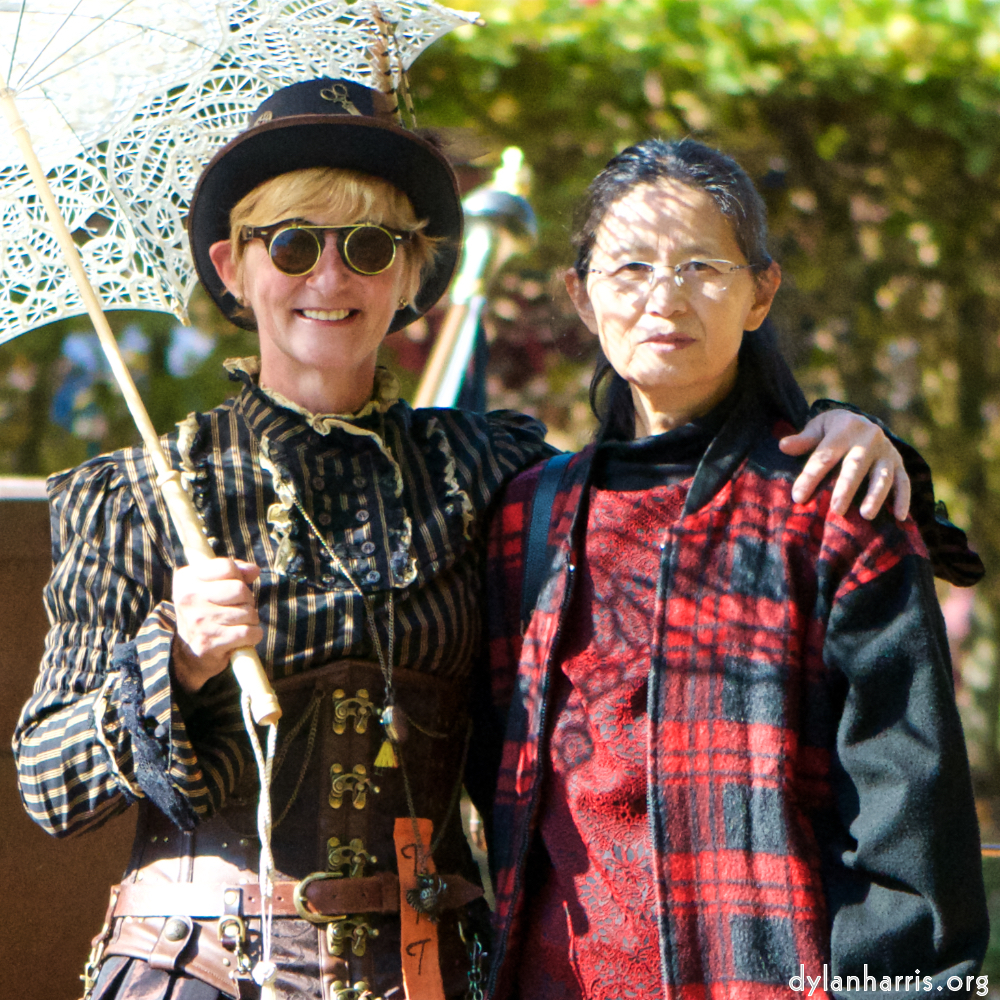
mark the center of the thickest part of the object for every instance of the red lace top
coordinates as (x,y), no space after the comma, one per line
(590,933)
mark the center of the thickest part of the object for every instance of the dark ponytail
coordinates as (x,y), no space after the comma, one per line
(611,402)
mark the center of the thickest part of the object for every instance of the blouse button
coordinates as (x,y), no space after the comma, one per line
(324,519)
(360,482)
(368,548)
(318,483)
(374,576)
(362,516)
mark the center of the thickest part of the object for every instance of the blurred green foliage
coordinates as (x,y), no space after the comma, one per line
(872,130)
(871,127)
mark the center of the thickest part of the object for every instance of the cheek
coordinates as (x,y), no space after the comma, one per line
(735,309)
(267,292)
(254,296)
(613,317)
(252,275)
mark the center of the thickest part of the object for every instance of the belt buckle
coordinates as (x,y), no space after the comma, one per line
(299,898)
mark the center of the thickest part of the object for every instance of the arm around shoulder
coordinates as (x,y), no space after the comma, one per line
(947,545)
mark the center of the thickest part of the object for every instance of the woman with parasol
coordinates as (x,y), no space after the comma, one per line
(733,761)
(349,533)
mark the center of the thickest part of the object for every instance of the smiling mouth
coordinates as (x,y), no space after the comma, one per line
(327,315)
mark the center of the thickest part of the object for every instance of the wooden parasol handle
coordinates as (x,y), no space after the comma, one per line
(245,663)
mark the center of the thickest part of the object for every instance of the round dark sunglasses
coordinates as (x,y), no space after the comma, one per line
(295,247)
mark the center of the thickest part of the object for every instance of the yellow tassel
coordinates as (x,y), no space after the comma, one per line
(386,756)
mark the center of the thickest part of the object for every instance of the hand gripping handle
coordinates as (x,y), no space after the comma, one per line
(246,663)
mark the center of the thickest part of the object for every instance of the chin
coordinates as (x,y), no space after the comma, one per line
(650,377)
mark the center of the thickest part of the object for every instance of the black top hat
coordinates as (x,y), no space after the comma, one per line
(329,123)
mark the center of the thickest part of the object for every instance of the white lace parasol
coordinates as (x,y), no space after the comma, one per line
(126,101)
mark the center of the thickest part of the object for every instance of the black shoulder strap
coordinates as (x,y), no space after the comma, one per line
(535,562)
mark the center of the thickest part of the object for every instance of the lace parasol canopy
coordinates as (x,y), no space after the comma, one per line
(127,100)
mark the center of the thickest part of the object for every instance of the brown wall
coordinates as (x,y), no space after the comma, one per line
(53,893)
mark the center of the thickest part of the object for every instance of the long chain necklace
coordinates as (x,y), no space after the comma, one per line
(394,723)
(391,720)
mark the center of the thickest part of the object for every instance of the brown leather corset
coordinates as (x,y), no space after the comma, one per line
(190,903)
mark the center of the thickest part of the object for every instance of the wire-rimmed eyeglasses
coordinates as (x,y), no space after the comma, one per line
(296,247)
(640,276)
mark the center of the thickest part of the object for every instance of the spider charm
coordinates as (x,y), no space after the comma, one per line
(428,897)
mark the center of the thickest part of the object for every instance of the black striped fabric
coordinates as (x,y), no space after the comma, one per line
(400,496)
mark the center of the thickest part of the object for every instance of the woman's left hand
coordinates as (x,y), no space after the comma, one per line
(865,450)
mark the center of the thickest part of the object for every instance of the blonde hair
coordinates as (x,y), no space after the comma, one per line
(347,195)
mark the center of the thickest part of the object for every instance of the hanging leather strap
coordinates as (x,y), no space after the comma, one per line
(419,945)
(535,561)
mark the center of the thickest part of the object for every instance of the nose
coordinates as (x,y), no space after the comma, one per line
(329,267)
(667,292)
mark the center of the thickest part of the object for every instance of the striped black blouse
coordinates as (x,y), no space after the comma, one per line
(400,495)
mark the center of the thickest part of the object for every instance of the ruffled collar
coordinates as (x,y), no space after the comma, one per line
(385,394)
(284,432)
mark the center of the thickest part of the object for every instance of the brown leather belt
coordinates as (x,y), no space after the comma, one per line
(319,896)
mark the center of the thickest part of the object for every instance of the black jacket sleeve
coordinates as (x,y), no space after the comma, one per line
(902,865)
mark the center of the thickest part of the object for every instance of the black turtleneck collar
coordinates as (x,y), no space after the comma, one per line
(660,459)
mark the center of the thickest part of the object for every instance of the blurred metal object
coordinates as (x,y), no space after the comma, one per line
(499,223)
(22,488)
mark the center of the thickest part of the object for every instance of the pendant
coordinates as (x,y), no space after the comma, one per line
(394,723)
(428,897)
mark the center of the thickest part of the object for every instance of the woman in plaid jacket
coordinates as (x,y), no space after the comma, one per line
(733,765)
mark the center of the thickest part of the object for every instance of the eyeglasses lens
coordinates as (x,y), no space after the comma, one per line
(368,249)
(295,251)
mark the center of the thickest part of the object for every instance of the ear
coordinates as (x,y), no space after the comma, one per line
(767,286)
(577,289)
(221,254)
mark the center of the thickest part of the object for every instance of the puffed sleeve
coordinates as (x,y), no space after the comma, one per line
(902,866)
(518,440)
(103,727)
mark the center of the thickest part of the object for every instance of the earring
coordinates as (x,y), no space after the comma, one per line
(403,303)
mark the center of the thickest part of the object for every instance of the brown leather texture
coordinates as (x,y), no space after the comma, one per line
(204,956)
(176,874)
(326,897)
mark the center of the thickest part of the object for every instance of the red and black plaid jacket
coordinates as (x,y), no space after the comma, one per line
(809,793)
